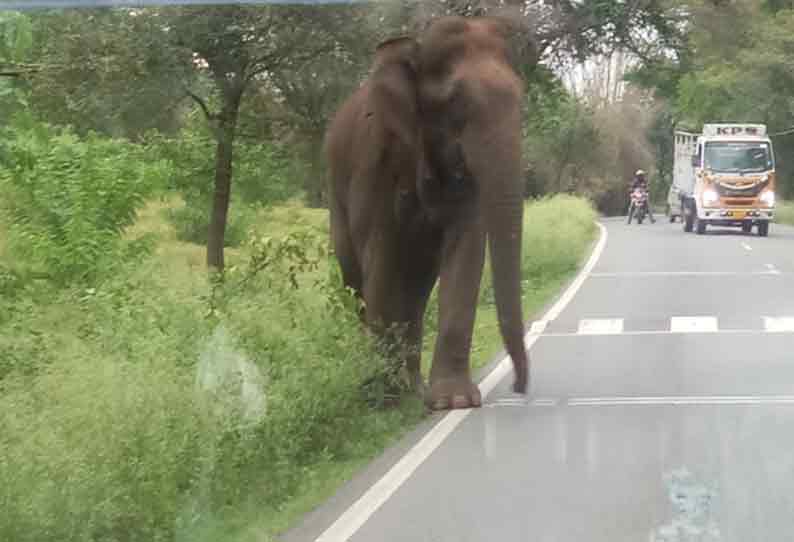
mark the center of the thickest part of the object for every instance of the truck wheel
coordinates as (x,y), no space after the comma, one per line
(763,228)
(688,219)
(701,227)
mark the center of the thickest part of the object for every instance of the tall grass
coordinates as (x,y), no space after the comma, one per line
(157,406)
(785,212)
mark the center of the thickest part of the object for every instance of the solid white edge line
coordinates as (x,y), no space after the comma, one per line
(360,511)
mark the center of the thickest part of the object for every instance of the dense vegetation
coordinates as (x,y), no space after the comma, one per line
(145,399)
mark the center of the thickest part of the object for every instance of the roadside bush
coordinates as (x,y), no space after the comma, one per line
(785,212)
(160,406)
(263,174)
(67,200)
(139,414)
(191,221)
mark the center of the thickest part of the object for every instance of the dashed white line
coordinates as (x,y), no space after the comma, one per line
(633,333)
(693,324)
(745,246)
(772,269)
(684,400)
(644,274)
(601,326)
(678,324)
(778,324)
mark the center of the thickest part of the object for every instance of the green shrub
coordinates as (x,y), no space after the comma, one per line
(68,200)
(785,212)
(191,221)
(139,414)
(136,417)
(263,174)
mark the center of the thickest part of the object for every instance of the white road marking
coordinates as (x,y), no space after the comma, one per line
(601,326)
(360,511)
(507,402)
(779,325)
(684,400)
(538,327)
(693,324)
(772,269)
(651,401)
(644,274)
(745,246)
(666,332)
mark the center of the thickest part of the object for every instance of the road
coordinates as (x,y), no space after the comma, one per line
(661,409)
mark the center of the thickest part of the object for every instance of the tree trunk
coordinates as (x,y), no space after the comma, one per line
(314,183)
(224,154)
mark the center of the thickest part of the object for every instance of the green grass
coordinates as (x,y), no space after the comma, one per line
(785,212)
(108,433)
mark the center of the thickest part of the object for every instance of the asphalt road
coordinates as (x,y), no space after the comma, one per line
(661,409)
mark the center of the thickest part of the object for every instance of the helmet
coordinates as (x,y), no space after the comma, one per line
(639,173)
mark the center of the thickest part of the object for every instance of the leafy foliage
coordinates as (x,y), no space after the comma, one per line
(263,175)
(737,67)
(68,200)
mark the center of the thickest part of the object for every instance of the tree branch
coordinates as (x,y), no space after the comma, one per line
(18,70)
(210,116)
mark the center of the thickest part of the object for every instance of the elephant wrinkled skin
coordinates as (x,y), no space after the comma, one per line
(424,166)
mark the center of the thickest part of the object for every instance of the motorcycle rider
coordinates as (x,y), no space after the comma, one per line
(640,181)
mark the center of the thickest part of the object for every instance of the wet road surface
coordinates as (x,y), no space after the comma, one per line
(661,409)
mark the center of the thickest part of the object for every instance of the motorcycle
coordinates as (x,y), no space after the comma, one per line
(639,205)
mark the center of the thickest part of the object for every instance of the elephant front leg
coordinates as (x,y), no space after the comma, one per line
(463,257)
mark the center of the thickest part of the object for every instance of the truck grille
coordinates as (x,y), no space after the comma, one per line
(739,202)
(726,190)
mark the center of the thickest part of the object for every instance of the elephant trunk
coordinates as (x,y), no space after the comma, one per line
(495,155)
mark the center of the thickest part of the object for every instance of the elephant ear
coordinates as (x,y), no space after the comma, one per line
(401,49)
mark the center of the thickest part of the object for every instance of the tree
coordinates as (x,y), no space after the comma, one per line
(736,66)
(126,71)
(237,46)
(15,44)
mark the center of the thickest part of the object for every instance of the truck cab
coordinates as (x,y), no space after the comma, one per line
(729,179)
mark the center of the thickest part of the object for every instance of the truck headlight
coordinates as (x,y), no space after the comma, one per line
(768,198)
(710,196)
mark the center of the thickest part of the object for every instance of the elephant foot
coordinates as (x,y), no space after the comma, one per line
(453,393)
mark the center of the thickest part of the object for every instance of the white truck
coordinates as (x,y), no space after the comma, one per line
(724,176)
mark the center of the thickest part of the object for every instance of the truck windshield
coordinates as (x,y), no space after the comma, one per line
(739,156)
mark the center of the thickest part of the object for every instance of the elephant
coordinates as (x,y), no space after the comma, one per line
(425,165)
